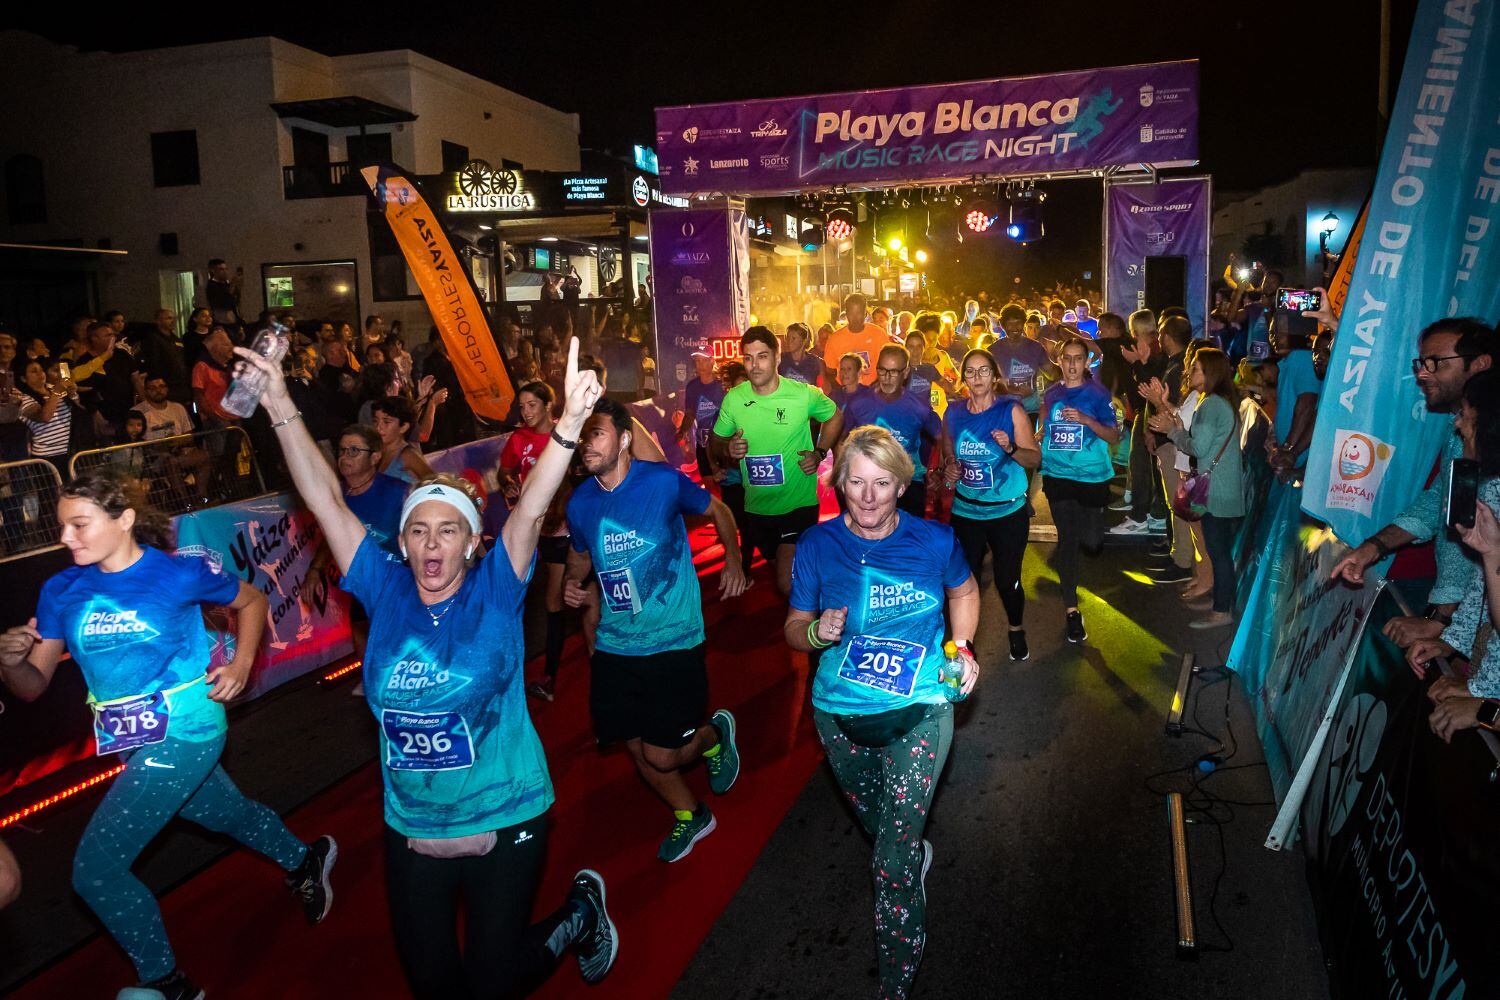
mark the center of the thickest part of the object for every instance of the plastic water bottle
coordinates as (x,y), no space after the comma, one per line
(243,394)
(951,673)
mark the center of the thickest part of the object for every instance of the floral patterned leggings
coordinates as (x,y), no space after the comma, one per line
(891,789)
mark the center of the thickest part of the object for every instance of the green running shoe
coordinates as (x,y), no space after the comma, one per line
(690,828)
(724,766)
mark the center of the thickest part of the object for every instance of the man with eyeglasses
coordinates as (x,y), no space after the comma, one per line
(908,418)
(1450,352)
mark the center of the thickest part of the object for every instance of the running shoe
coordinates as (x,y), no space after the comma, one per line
(1156,523)
(1123,503)
(1075,630)
(174,986)
(599,943)
(1161,548)
(1214,619)
(310,883)
(690,828)
(1018,648)
(1171,573)
(541,689)
(724,766)
(1129,526)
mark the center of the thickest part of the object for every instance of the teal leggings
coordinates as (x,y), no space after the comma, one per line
(891,789)
(162,780)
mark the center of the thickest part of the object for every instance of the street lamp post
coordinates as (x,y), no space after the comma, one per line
(1326,228)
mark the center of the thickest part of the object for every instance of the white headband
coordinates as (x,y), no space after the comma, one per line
(457,499)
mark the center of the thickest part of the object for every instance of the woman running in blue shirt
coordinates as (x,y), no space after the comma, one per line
(130,615)
(466,783)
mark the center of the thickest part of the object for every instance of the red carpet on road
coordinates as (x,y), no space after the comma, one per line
(238,933)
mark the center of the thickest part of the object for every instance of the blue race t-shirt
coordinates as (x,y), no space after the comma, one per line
(1072,450)
(701,401)
(991,483)
(1294,377)
(808,370)
(920,382)
(842,397)
(458,752)
(649,596)
(1021,360)
(907,418)
(379,508)
(140,631)
(894,588)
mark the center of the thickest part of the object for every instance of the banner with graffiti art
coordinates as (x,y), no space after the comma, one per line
(1430,249)
(448,290)
(1399,830)
(1056,123)
(1168,219)
(277,548)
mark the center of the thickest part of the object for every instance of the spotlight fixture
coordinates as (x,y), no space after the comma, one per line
(839,225)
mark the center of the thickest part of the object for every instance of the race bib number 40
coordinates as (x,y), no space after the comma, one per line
(1064,436)
(889,665)
(978,475)
(764,470)
(618,587)
(126,725)
(426,741)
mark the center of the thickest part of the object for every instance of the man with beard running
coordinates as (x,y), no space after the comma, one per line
(649,684)
(764,426)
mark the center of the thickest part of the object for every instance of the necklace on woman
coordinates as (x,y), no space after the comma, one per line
(445,604)
(865,550)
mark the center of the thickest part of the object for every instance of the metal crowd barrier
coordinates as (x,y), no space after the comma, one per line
(187,472)
(28,507)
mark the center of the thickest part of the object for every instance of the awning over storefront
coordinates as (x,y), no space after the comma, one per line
(343,112)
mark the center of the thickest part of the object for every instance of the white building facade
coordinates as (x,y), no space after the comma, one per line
(245,150)
(1291,216)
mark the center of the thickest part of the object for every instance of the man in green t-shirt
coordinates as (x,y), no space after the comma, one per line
(765,425)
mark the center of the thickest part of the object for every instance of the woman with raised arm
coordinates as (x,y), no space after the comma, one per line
(466,783)
(130,615)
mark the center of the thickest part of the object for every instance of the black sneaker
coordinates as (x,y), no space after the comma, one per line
(1162,548)
(1171,573)
(1075,630)
(310,882)
(599,943)
(173,986)
(1018,648)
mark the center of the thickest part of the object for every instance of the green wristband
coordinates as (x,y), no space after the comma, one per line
(813,639)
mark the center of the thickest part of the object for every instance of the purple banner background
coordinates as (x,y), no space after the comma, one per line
(1021,125)
(1169,219)
(699,290)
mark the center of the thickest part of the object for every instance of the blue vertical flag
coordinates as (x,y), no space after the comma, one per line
(1431,249)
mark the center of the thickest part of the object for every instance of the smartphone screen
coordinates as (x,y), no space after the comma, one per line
(1463,492)
(1298,300)
(63,371)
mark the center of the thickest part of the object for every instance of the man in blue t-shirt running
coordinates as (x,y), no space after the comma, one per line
(649,685)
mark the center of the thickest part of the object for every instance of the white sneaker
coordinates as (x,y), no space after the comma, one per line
(1130,527)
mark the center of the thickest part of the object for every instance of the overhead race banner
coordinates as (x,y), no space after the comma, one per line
(700,301)
(448,290)
(271,545)
(1168,219)
(1429,251)
(1399,830)
(1018,125)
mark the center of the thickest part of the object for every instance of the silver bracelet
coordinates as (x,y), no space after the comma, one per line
(283,423)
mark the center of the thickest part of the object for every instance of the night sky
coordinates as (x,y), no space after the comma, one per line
(1285,86)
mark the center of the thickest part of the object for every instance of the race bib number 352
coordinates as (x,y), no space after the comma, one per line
(889,665)
(764,470)
(426,741)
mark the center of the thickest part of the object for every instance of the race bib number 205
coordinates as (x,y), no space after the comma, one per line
(885,664)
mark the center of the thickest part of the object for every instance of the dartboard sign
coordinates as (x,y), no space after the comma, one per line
(481,188)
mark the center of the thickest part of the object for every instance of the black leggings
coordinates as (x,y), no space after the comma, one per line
(501,956)
(1080,528)
(1006,539)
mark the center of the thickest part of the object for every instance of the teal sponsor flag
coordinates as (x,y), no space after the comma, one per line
(1431,249)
